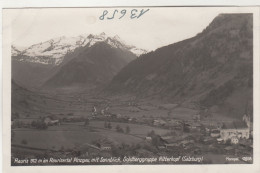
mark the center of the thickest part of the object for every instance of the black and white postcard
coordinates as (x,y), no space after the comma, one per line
(130,86)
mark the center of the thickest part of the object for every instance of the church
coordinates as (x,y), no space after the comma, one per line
(236,130)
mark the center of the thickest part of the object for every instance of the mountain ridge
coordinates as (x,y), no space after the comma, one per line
(209,69)
(36,65)
(53,51)
(88,66)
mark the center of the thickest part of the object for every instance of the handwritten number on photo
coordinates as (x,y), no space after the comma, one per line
(123,12)
(142,12)
(134,14)
(113,15)
(103,16)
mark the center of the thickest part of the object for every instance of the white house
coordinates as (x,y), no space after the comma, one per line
(215,133)
(106,147)
(234,131)
(49,121)
(159,122)
(148,138)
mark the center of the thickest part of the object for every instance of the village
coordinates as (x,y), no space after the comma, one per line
(196,136)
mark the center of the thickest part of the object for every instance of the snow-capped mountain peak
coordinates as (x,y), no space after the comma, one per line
(117,38)
(54,50)
(16,50)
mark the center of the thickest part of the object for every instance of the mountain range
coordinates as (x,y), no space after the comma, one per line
(38,64)
(54,50)
(214,69)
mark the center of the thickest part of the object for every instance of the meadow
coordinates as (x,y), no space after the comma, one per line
(70,135)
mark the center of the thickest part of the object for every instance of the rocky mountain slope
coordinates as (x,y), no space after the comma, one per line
(54,50)
(214,69)
(35,65)
(90,66)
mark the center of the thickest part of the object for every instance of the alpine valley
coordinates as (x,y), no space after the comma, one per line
(94,96)
(212,69)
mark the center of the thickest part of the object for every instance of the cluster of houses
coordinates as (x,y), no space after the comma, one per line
(174,143)
(233,131)
(104,112)
(227,131)
(175,124)
(168,123)
(223,132)
(99,146)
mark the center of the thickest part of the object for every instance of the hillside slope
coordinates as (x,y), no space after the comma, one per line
(213,69)
(31,74)
(90,66)
(22,100)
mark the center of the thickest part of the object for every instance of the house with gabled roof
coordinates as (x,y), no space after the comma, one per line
(234,131)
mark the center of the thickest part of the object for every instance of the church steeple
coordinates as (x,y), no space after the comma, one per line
(246,119)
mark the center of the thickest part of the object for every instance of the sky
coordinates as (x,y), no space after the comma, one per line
(155,28)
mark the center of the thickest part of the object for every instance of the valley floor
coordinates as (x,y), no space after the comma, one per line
(86,127)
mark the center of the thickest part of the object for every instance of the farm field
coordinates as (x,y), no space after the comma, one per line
(54,139)
(135,129)
(69,135)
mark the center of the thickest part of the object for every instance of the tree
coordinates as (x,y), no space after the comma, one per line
(151,133)
(127,129)
(24,142)
(155,140)
(109,125)
(86,122)
(34,124)
(39,125)
(43,125)
(119,129)
(70,114)
(186,128)
(228,142)
(105,124)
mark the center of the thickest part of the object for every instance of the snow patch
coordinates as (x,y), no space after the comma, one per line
(55,49)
